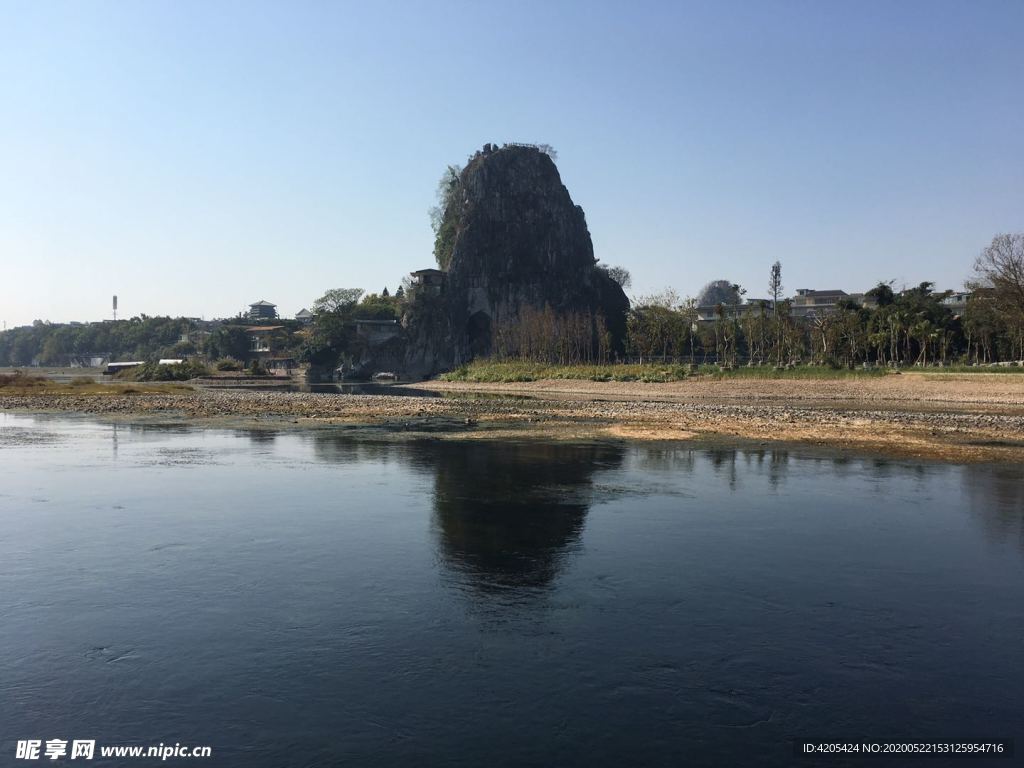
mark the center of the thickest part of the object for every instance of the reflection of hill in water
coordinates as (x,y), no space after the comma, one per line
(506,514)
(996,494)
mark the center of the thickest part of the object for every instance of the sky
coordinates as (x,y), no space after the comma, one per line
(194,157)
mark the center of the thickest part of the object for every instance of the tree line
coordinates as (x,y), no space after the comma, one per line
(906,327)
(913,326)
(150,338)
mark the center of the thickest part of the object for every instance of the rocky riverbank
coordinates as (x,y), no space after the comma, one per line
(957,418)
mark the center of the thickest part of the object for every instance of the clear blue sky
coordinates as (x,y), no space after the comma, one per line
(193,157)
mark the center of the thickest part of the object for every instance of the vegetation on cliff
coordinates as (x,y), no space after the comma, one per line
(446,215)
(517,256)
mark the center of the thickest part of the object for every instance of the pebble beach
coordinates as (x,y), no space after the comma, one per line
(967,417)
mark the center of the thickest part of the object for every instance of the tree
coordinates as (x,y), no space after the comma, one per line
(374,307)
(445,216)
(1001,268)
(775,282)
(620,275)
(337,300)
(719,292)
(667,299)
(548,150)
(384,294)
(227,341)
(775,290)
(688,311)
(882,294)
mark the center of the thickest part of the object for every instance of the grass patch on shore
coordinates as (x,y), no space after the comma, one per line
(23,384)
(1011,369)
(510,371)
(514,371)
(799,372)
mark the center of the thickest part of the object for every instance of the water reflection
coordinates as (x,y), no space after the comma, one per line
(260,437)
(727,463)
(505,514)
(498,603)
(996,496)
(337,448)
(508,516)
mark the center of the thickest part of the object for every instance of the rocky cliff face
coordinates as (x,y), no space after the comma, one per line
(515,243)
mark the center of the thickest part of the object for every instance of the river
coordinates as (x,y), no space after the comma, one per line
(305,598)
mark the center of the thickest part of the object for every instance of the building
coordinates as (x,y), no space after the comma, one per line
(262,310)
(710,313)
(264,340)
(88,360)
(304,316)
(431,280)
(377,331)
(280,366)
(811,303)
(113,368)
(195,337)
(956,302)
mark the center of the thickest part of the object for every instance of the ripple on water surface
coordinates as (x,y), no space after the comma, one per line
(305,598)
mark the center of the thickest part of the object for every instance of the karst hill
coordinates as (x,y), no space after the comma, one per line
(518,268)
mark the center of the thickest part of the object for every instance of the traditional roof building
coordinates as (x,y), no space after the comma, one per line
(262,310)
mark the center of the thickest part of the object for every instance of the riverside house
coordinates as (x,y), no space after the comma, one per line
(266,340)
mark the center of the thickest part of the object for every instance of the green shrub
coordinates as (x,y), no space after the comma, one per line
(189,369)
(508,371)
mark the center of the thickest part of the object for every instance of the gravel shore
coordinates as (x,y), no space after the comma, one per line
(972,417)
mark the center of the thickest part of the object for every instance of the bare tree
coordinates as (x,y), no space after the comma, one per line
(548,150)
(620,275)
(667,299)
(1001,268)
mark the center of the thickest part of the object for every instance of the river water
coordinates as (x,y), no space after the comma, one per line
(307,599)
